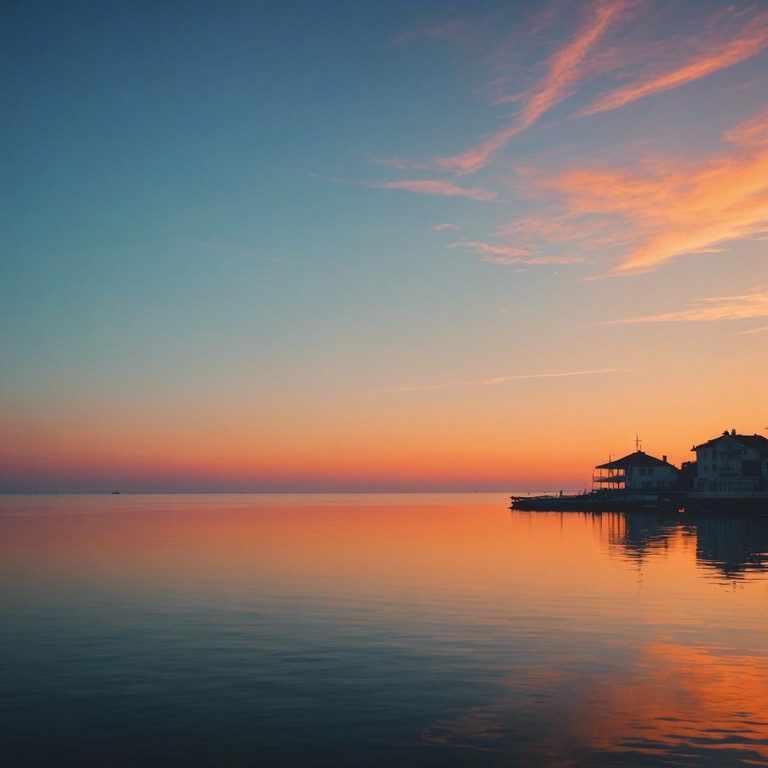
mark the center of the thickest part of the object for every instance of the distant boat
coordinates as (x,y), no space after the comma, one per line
(115,493)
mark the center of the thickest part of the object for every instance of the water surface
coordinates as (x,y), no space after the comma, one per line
(379,630)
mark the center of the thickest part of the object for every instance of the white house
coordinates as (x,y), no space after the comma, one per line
(638,472)
(732,464)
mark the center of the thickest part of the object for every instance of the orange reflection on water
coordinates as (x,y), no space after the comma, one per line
(671,703)
(428,542)
(313,539)
(593,633)
(423,544)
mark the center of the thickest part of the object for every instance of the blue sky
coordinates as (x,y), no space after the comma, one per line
(308,245)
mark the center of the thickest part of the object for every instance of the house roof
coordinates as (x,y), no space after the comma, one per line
(748,441)
(636,459)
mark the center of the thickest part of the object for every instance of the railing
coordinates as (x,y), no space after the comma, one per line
(609,478)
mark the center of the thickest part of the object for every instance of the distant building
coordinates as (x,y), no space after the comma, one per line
(638,473)
(732,464)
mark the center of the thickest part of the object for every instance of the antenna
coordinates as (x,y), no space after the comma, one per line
(637,443)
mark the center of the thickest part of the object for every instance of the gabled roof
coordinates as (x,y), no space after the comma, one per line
(755,442)
(636,459)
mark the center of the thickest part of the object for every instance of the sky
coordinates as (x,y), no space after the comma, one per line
(302,246)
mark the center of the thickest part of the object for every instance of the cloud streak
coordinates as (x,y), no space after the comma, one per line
(496,380)
(650,211)
(447,30)
(438,187)
(642,67)
(565,69)
(712,309)
(660,209)
(434,187)
(503,254)
(748,42)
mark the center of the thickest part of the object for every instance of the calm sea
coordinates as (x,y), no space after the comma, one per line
(377,630)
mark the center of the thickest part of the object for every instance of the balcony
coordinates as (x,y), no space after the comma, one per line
(617,478)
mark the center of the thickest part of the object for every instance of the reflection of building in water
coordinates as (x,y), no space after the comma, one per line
(729,544)
(639,534)
(732,545)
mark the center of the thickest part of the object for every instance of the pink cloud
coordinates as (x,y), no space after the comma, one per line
(645,67)
(660,209)
(534,260)
(707,310)
(565,69)
(441,227)
(502,254)
(488,249)
(711,54)
(420,187)
(750,133)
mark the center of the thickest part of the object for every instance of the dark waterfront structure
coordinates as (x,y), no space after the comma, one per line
(730,474)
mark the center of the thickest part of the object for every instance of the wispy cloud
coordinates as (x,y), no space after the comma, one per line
(661,209)
(443,226)
(605,45)
(438,187)
(750,133)
(434,187)
(565,69)
(445,30)
(709,56)
(399,163)
(494,381)
(502,254)
(707,310)
(652,210)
